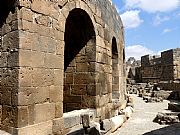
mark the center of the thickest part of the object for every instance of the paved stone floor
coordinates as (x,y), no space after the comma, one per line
(141,123)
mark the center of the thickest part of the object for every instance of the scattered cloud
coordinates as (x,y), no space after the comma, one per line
(131,19)
(160,19)
(137,51)
(153,6)
(167,30)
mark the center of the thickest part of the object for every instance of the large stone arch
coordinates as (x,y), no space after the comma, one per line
(79,58)
(64,13)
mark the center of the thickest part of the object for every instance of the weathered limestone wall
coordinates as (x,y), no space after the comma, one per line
(164,68)
(176,63)
(33,63)
(9,70)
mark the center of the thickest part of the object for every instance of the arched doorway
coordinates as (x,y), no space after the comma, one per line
(79,58)
(115,70)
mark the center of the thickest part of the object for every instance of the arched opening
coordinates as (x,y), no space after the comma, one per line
(79,58)
(115,70)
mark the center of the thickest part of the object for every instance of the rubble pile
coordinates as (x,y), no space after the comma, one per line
(167,118)
(150,92)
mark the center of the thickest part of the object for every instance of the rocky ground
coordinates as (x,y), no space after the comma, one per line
(141,122)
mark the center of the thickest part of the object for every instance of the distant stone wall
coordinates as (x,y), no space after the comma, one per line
(57,55)
(164,68)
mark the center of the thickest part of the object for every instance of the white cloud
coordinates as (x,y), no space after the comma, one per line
(152,6)
(131,19)
(137,51)
(166,30)
(160,19)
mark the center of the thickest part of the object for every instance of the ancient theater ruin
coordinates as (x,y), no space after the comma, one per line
(60,61)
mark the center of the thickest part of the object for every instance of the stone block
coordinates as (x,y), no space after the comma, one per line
(9,117)
(24,96)
(45,7)
(43,128)
(60,47)
(106,125)
(44,112)
(6,96)
(52,44)
(58,73)
(25,58)
(68,78)
(4,59)
(117,122)
(128,111)
(10,41)
(37,77)
(40,43)
(22,116)
(6,28)
(12,59)
(56,94)
(26,14)
(37,59)
(58,109)
(43,20)
(72,99)
(91,90)
(79,89)
(54,61)
(48,77)
(59,35)
(88,101)
(25,77)
(82,67)
(58,126)
(41,95)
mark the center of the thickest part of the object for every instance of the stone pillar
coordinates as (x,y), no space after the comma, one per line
(31,69)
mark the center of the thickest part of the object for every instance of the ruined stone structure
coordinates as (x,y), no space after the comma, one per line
(57,56)
(161,68)
(133,69)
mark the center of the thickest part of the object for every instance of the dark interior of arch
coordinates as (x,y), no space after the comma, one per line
(79,51)
(6,6)
(115,70)
(78,31)
(123,55)
(114,48)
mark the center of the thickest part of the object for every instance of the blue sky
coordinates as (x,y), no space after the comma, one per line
(150,25)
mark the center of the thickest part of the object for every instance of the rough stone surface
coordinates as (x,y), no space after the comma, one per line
(58,56)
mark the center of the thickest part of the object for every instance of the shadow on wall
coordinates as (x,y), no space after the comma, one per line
(169,130)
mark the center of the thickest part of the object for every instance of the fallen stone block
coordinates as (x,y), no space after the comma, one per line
(106,125)
(128,111)
(117,122)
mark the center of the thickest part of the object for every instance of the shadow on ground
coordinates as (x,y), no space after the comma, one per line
(169,130)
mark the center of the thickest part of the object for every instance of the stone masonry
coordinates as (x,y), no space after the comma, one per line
(57,56)
(161,68)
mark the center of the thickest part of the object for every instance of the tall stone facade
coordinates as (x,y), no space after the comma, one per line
(57,56)
(161,68)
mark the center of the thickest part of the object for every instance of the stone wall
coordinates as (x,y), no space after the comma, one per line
(176,63)
(44,41)
(164,68)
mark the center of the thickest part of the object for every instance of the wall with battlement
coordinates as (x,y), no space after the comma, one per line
(163,68)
